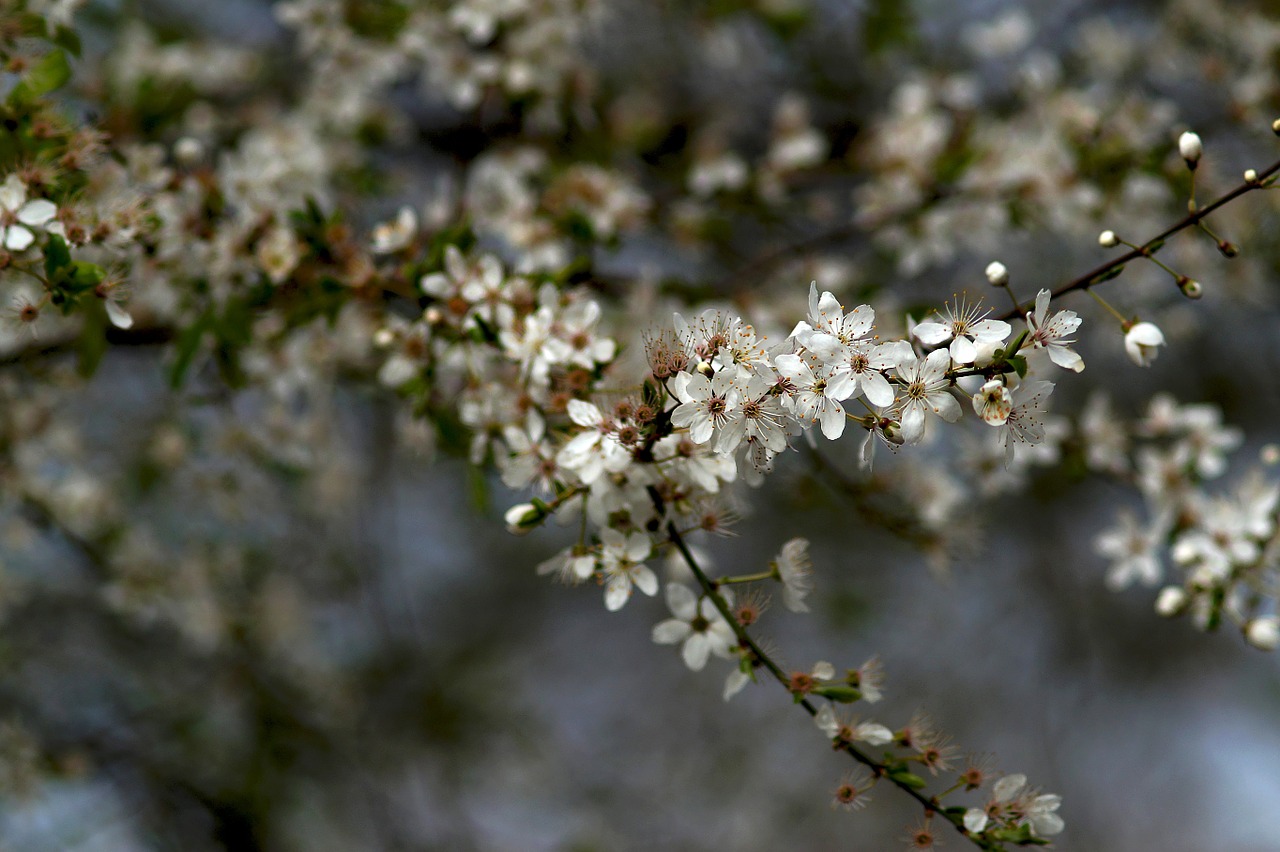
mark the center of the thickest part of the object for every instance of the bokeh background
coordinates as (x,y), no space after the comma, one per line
(353,655)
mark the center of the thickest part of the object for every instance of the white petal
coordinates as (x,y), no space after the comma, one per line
(119,316)
(1008,787)
(584,413)
(975,819)
(671,631)
(1064,357)
(645,580)
(12,193)
(735,682)
(696,651)
(931,332)
(912,424)
(37,212)
(877,389)
(823,670)
(963,351)
(833,420)
(18,238)
(945,406)
(682,601)
(616,592)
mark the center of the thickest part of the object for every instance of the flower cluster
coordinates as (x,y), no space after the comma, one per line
(1221,549)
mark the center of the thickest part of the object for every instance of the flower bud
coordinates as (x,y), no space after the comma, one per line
(1171,601)
(1142,341)
(997,274)
(1190,148)
(1275,127)
(1189,287)
(1263,633)
(1250,176)
(1108,239)
(523,517)
(188,151)
(1228,249)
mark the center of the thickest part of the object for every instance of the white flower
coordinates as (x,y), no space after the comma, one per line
(1132,551)
(975,819)
(829,327)
(871,733)
(964,327)
(993,403)
(860,372)
(594,451)
(795,572)
(18,215)
(389,237)
(812,398)
(760,417)
(1142,341)
(925,389)
(622,562)
(1050,333)
(1025,425)
(698,624)
(705,404)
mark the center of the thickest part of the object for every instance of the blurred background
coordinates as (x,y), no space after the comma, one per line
(206,646)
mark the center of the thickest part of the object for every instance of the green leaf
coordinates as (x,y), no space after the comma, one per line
(51,72)
(187,344)
(887,24)
(92,344)
(56,257)
(67,39)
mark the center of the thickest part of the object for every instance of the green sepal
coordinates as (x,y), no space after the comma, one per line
(907,779)
(1021,835)
(839,692)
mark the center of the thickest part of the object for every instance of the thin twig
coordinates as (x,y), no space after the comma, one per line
(1091,278)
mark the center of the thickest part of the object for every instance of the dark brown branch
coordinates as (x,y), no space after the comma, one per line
(1095,276)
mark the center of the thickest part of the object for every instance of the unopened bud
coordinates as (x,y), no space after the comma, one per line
(997,274)
(1190,148)
(1250,176)
(839,692)
(1228,249)
(1108,239)
(1263,633)
(1190,287)
(892,432)
(523,517)
(188,151)
(384,337)
(1275,127)
(1171,601)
